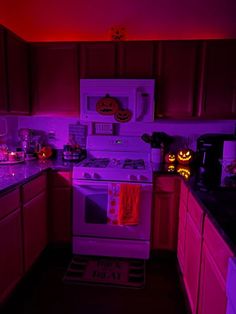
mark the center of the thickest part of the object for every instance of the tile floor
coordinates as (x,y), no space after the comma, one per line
(42,291)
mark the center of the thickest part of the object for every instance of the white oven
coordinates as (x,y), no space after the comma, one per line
(129,166)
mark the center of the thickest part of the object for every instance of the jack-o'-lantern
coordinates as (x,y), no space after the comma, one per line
(170,158)
(184,171)
(123,115)
(185,156)
(107,106)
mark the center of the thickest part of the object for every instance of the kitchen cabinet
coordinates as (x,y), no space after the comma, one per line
(98,60)
(11,259)
(60,209)
(192,251)
(55,79)
(218,90)
(177,77)
(214,267)
(3,86)
(165,213)
(17,74)
(136,59)
(183,205)
(35,220)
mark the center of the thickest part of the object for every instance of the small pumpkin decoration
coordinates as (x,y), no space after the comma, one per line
(184,171)
(45,153)
(124,115)
(185,156)
(170,158)
(107,106)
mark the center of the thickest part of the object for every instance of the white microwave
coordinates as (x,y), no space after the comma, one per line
(117,100)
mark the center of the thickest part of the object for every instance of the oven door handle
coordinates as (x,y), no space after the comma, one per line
(106,183)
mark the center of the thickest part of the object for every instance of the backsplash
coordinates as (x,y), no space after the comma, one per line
(58,129)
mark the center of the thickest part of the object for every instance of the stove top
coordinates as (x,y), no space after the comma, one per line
(113,169)
(113,163)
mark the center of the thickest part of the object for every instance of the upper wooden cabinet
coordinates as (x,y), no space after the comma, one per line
(218,90)
(18,74)
(136,59)
(98,60)
(3,90)
(176,74)
(55,79)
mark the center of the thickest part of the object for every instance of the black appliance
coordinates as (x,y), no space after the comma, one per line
(209,153)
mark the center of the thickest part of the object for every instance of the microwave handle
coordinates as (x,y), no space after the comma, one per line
(142,105)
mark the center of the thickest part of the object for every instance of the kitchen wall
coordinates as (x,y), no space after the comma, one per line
(185,131)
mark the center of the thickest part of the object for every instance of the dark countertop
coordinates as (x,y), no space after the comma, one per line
(15,174)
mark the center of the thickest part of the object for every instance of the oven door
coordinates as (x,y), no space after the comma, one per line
(90,202)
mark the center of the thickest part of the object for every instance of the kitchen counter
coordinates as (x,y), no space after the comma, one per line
(15,174)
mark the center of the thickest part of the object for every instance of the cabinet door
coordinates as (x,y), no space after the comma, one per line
(136,59)
(212,296)
(18,74)
(192,255)
(176,73)
(165,214)
(35,227)
(11,261)
(60,215)
(98,60)
(3,91)
(219,80)
(55,79)
(181,233)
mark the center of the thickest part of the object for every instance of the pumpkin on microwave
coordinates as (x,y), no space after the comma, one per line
(123,115)
(107,106)
(185,156)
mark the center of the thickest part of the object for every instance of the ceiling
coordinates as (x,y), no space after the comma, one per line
(82,20)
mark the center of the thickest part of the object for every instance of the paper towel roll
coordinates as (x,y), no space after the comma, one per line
(229,150)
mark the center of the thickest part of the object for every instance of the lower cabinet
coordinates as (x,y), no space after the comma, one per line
(60,209)
(165,213)
(214,268)
(35,219)
(11,259)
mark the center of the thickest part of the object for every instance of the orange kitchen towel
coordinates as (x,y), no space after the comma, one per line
(129,198)
(113,203)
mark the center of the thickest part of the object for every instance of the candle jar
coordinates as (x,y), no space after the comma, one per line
(12,156)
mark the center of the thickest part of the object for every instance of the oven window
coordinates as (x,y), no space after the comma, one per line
(96,208)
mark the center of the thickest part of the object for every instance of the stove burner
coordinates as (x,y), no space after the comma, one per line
(96,163)
(134,164)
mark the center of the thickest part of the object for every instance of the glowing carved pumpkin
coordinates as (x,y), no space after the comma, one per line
(107,106)
(185,156)
(184,171)
(123,115)
(170,158)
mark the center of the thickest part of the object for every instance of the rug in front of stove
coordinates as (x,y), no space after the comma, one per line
(106,271)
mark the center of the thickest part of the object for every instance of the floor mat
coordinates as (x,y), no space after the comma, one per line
(109,271)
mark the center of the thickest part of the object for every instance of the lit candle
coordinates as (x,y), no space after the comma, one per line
(12,156)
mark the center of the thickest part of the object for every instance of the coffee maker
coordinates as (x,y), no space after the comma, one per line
(210,152)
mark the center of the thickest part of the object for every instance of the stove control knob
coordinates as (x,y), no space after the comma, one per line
(142,178)
(96,176)
(132,177)
(86,175)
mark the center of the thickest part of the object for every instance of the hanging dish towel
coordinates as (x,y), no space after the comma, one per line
(129,198)
(113,203)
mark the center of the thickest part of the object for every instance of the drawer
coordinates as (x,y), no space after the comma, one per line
(196,212)
(34,187)
(166,184)
(61,179)
(217,246)
(184,191)
(9,202)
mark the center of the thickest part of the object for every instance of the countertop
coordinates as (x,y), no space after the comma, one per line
(219,204)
